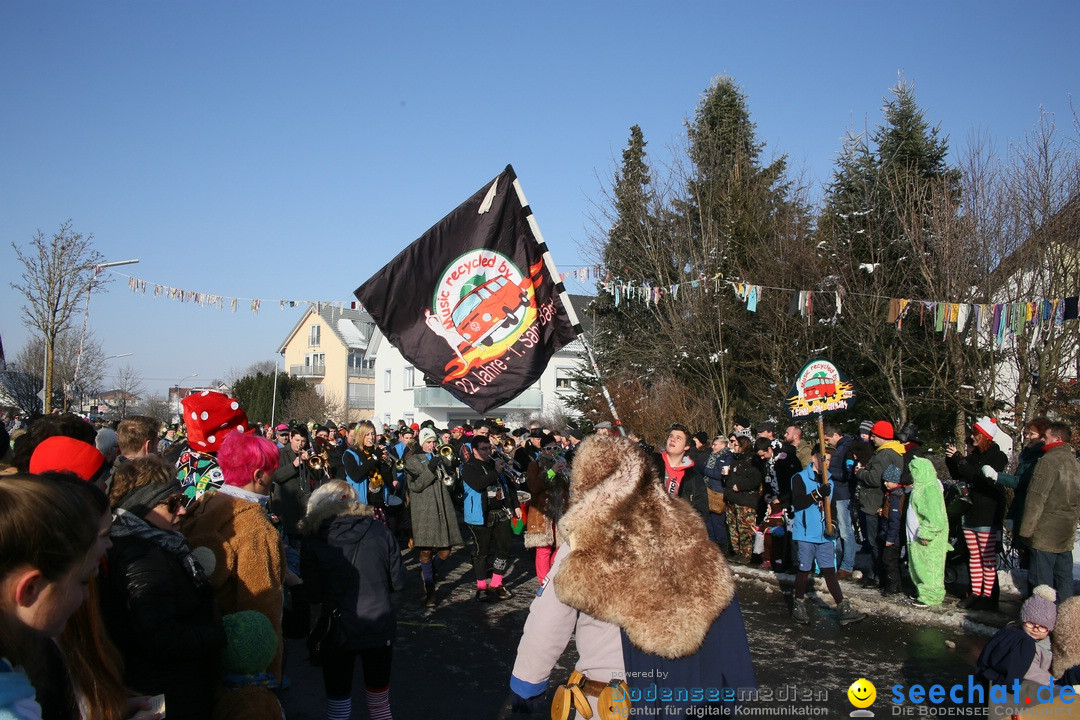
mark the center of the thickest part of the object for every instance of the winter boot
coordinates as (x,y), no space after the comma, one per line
(800,611)
(848,614)
(429,596)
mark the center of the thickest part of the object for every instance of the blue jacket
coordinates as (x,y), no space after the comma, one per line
(713,469)
(361,484)
(809,525)
(712,677)
(476,478)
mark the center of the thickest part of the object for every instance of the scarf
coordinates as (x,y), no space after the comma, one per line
(126,524)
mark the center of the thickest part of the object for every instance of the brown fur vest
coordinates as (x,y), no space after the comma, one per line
(638,557)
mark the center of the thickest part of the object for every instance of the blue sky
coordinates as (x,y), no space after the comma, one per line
(279,150)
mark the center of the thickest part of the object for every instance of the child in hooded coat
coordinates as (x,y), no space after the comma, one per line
(927,533)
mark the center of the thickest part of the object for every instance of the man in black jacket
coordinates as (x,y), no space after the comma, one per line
(290,492)
(841,474)
(490,503)
(677,471)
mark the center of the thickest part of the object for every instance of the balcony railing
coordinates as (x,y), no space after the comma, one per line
(431,398)
(362,372)
(361,397)
(307,370)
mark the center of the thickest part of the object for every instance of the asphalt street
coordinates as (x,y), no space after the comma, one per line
(454,661)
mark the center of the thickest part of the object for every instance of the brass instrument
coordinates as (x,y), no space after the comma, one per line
(509,446)
(375,481)
(512,472)
(320,455)
(399,465)
(447,451)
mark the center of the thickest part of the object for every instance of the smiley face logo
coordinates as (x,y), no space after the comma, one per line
(862,693)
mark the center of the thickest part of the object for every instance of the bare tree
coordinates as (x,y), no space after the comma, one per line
(130,388)
(305,404)
(21,387)
(266,367)
(67,388)
(155,406)
(56,272)
(1039,260)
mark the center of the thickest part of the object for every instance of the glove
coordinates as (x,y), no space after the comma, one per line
(525,706)
(825,489)
(990,472)
(434,463)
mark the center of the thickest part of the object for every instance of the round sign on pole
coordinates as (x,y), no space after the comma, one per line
(819,388)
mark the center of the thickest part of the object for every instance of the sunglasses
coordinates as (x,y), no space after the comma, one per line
(173,503)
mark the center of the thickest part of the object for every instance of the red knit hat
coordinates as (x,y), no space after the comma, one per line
(987,426)
(64,454)
(883,429)
(209,416)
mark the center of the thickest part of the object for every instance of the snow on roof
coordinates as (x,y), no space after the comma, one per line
(350,333)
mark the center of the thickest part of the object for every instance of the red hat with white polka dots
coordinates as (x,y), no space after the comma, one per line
(209,416)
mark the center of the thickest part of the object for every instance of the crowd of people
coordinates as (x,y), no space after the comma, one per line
(148,567)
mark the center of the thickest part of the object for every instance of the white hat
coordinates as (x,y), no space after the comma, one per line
(987,426)
(427,434)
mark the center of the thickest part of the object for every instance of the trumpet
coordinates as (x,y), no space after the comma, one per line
(399,465)
(317,462)
(512,472)
(447,451)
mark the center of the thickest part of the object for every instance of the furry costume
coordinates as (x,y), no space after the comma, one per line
(628,543)
(247,569)
(626,534)
(1065,641)
(926,508)
(546,506)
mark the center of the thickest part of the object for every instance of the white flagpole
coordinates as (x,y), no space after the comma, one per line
(565,298)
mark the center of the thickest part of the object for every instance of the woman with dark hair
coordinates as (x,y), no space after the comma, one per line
(158,606)
(352,563)
(743,493)
(1025,467)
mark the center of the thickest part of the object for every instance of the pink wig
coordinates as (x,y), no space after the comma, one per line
(242,454)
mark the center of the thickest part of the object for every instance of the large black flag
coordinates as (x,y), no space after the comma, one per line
(472,302)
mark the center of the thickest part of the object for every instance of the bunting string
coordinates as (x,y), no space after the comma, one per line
(997,319)
(212,300)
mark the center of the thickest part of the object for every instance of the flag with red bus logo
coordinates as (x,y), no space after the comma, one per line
(474,303)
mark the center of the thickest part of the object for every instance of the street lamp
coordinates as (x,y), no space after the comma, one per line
(178,383)
(46,390)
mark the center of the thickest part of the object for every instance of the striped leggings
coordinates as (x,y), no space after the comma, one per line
(982,560)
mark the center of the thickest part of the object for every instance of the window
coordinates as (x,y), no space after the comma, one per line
(407,378)
(356,360)
(315,360)
(386,381)
(313,335)
(564,379)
